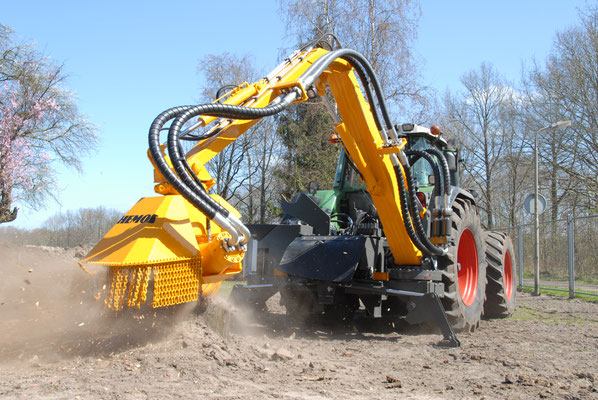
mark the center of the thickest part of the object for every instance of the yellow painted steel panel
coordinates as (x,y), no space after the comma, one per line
(155,230)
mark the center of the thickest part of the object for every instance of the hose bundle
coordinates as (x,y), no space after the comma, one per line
(187,184)
(182,177)
(373,90)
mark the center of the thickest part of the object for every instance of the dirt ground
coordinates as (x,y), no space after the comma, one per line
(57,343)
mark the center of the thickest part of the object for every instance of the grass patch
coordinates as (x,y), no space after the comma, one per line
(526,314)
(588,281)
(558,293)
(523,313)
(529,274)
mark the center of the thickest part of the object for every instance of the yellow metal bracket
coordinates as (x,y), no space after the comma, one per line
(381,276)
(392,148)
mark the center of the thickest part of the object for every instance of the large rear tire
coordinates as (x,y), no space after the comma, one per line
(464,268)
(500,290)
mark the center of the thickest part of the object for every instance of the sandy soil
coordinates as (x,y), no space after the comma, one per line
(57,343)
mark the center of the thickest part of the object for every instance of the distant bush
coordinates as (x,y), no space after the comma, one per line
(85,226)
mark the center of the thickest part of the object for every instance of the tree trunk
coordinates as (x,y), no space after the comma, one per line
(263,190)
(6,215)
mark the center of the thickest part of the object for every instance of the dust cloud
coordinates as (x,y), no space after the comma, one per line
(49,310)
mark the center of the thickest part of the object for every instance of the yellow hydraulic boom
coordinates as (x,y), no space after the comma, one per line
(188,240)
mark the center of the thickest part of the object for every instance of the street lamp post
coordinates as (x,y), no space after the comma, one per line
(559,124)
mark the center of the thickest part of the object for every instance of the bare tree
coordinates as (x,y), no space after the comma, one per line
(567,88)
(229,168)
(557,151)
(244,170)
(514,170)
(39,125)
(263,159)
(483,115)
(382,30)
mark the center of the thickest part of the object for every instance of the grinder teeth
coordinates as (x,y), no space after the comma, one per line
(174,283)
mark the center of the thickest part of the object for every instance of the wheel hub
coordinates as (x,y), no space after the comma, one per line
(467,258)
(508,276)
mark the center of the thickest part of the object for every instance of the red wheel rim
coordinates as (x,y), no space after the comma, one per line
(508,276)
(467,257)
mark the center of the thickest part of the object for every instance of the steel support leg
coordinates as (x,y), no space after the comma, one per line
(428,308)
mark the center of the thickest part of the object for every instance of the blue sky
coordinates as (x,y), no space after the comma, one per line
(129,60)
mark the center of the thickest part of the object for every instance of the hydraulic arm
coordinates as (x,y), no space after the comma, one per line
(189,240)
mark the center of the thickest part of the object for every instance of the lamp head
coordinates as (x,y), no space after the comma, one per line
(561,124)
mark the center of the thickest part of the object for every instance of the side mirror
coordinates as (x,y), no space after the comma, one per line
(313,187)
(451,160)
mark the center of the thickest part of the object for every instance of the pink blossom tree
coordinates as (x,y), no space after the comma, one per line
(39,126)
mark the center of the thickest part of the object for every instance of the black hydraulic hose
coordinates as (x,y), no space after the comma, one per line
(365,72)
(446,174)
(417,223)
(418,236)
(355,56)
(320,39)
(189,187)
(368,91)
(410,189)
(422,154)
(199,199)
(407,194)
(219,110)
(197,138)
(191,172)
(185,180)
(164,168)
(407,216)
(186,183)
(223,89)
